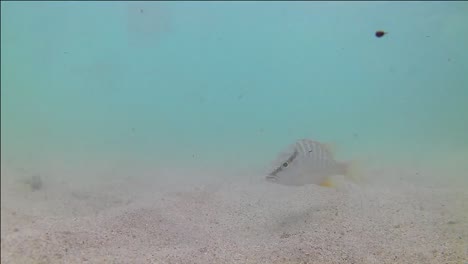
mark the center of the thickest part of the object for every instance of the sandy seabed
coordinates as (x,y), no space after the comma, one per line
(177,216)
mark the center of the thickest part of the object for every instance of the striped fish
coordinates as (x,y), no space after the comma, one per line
(306,162)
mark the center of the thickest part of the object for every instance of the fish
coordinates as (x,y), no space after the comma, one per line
(380,33)
(308,162)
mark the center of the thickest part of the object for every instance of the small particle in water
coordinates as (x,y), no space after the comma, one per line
(380,33)
(141,11)
(15,229)
(451,222)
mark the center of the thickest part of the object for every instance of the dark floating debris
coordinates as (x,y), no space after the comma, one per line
(380,33)
(35,182)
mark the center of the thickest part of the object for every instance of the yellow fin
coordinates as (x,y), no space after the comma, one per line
(327,183)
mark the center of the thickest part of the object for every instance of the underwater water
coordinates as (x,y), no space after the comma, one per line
(137,91)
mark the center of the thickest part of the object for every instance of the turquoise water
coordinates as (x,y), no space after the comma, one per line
(232,83)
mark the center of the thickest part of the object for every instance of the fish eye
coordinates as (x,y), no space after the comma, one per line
(285,164)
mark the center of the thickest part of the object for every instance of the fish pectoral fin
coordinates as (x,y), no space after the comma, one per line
(327,183)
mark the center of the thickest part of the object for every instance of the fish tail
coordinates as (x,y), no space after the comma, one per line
(353,171)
